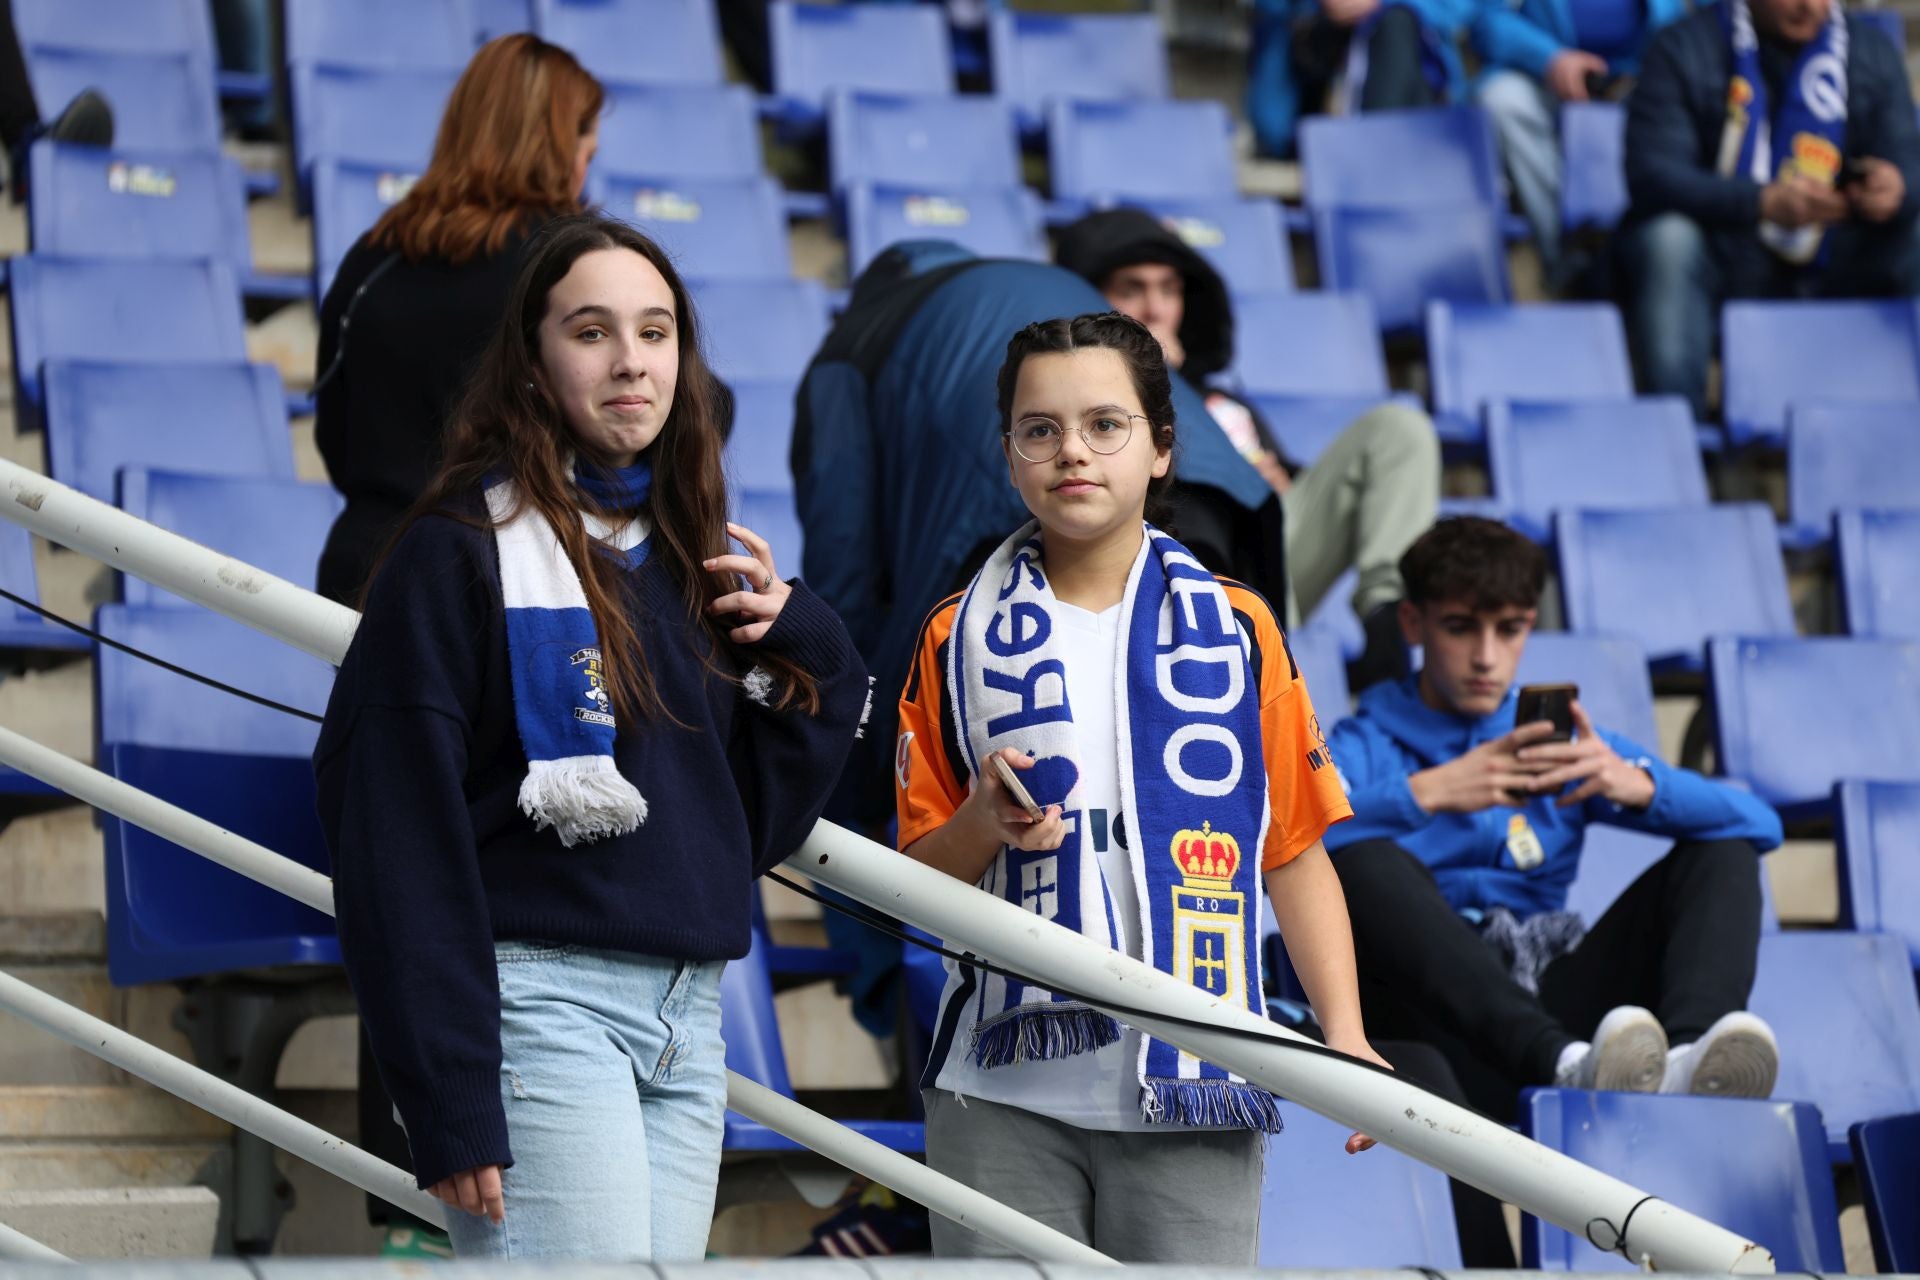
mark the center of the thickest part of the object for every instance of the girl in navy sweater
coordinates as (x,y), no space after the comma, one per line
(572,729)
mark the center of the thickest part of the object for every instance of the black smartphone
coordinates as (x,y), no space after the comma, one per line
(1852,174)
(1548,702)
(1600,85)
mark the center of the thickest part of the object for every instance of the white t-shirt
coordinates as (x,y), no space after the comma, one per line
(1099,1090)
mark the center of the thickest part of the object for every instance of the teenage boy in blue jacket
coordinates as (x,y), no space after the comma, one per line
(1467,831)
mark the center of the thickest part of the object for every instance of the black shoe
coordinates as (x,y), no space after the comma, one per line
(88,121)
(1385,657)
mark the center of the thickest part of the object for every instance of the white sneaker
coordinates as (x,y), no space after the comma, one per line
(1737,1058)
(1628,1054)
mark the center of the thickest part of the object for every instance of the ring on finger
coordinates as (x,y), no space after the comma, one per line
(766,579)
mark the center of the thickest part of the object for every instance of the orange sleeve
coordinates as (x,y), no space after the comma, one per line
(926,794)
(1303,788)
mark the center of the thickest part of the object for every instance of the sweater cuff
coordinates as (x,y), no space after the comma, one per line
(809,634)
(464,1127)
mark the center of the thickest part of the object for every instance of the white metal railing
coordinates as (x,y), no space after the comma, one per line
(1452,1138)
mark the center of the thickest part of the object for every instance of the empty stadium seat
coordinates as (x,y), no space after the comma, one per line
(760,330)
(1434,158)
(1317,652)
(142,311)
(770,513)
(1244,239)
(1611,670)
(1593,183)
(1877,556)
(644,41)
(1878,833)
(1038,57)
(22,631)
(933,142)
(495,18)
(348,198)
(1308,344)
(885,48)
(1095,151)
(713,228)
(1600,455)
(1777,354)
(1322,1208)
(1541,351)
(1842,1006)
(273,523)
(172,914)
(1404,258)
(688,130)
(433,34)
(1671,577)
(1306,425)
(383,117)
(100,203)
(216,419)
(1792,717)
(1886,1156)
(1849,456)
(161,101)
(762,438)
(1756,1167)
(993,222)
(116,26)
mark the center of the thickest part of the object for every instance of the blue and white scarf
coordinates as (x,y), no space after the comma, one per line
(1193,796)
(560,697)
(1807,136)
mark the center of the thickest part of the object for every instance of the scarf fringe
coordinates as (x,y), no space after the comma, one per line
(1040,1034)
(1216,1103)
(582,798)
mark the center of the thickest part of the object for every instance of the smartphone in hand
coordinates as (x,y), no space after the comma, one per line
(1548,702)
(1011,781)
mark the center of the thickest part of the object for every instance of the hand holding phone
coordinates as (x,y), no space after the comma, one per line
(1011,781)
(1551,702)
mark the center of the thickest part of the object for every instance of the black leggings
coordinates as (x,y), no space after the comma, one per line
(1682,941)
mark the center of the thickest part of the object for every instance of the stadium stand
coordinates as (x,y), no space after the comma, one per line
(1886,1155)
(1038,58)
(1244,239)
(932,142)
(879,47)
(1774,355)
(1596,454)
(1324,1208)
(687,130)
(1542,352)
(1316,651)
(425,34)
(162,102)
(272,523)
(1878,830)
(993,222)
(642,41)
(500,18)
(1308,344)
(377,117)
(1859,456)
(760,329)
(1877,554)
(1593,187)
(713,228)
(770,513)
(24,633)
(1095,150)
(348,198)
(762,433)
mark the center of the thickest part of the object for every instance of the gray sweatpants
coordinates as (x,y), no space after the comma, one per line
(1360,505)
(1184,1196)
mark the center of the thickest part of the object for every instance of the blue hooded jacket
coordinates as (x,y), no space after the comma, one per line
(1395,735)
(1526,35)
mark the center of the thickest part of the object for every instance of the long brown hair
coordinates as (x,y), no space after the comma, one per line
(504,157)
(507,426)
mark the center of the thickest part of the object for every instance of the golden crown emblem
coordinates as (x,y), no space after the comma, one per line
(1206,856)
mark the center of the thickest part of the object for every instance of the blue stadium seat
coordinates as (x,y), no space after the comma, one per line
(1777,354)
(1325,1209)
(23,631)
(760,330)
(377,117)
(116,26)
(757,451)
(1878,561)
(688,130)
(172,914)
(348,198)
(1596,454)
(770,513)
(99,203)
(1886,1155)
(1542,352)
(885,48)
(1842,1006)
(932,142)
(1842,456)
(1308,344)
(1435,158)
(643,41)
(1404,258)
(430,34)
(129,312)
(1095,151)
(713,229)
(1244,239)
(495,18)
(1038,57)
(273,523)
(754,1050)
(1754,1166)
(1794,717)
(1306,425)
(1670,577)
(993,222)
(1878,833)
(1593,185)
(215,419)
(1334,615)
(1317,652)
(1611,671)
(161,101)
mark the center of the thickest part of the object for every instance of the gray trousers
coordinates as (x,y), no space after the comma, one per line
(1360,506)
(1184,1196)
(1526,120)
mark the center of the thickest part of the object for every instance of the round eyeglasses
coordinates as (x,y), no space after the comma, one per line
(1105,431)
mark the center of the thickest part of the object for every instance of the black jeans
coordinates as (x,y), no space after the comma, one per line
(1395,79)
(1682,941)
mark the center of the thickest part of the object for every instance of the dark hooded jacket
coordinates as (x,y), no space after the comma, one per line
(899,478)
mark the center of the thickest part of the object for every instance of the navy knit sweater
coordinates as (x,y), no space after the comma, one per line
(419,765)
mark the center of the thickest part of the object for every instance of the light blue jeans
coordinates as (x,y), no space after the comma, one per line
(614,1077)
(1526,119)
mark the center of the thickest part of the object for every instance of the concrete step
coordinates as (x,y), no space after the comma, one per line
(53,862)
(54,935)
(103,1112)
(67,1166)
(30,1056)
(54,707)
(117,1222)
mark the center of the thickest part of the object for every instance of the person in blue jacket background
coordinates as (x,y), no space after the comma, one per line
(1467,832)
(1539,54)
(1395,54)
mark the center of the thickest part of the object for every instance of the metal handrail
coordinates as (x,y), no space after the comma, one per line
(1460,1142)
